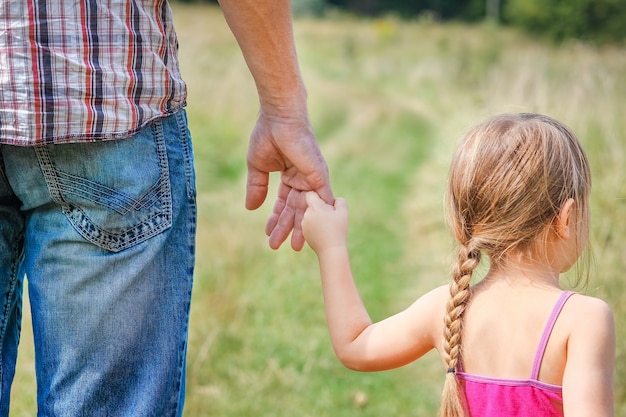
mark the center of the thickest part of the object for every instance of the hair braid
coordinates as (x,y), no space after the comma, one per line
(468,260)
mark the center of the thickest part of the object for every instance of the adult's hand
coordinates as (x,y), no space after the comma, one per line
(282,139)
(286,145)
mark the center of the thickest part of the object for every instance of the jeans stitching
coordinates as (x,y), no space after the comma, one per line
(191,217)
(81,187)
(150,227)
(58,182)
(7,302)
(49,173)
(183,134)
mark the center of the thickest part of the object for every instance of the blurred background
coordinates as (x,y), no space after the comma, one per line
(392,87)
(598,20)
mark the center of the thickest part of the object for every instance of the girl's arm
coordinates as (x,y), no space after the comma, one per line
(359,343)
(588,376)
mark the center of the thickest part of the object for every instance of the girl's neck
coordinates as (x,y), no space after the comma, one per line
(523,273)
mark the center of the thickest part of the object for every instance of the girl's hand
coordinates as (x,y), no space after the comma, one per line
(325,226)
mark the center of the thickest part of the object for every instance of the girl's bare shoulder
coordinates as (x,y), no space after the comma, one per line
(581,305)
(587,315)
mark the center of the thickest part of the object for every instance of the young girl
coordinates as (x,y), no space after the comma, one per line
(515,343)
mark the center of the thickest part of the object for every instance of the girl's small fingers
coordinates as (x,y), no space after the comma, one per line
(340,203)
(312,199)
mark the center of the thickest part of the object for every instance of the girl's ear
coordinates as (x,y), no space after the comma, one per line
(564,219)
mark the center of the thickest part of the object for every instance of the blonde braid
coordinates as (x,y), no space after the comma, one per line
(469,258)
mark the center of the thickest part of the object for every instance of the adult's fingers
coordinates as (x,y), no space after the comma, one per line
(284,224)
(256,188)
(297,236)
(279,206)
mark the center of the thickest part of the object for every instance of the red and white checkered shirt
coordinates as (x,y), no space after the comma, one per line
(85,70)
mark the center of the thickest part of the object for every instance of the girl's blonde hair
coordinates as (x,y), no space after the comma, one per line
(508,180)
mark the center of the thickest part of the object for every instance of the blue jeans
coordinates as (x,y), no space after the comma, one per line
(105,234)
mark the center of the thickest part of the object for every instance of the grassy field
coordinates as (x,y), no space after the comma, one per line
(388,100)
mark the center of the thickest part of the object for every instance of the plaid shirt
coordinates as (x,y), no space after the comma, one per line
(85,70)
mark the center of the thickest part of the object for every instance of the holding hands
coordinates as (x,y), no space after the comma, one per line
(288,145)
(325,226)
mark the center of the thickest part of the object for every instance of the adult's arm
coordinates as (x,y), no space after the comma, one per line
(282,139)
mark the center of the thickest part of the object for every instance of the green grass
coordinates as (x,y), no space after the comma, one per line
(388,100)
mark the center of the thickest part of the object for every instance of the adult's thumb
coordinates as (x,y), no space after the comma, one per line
(326,194)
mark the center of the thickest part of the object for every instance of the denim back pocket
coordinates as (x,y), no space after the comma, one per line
(116,193)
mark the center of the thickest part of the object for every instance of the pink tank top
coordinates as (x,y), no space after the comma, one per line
(500,397)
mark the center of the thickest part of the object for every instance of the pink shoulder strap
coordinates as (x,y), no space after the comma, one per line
(546,333)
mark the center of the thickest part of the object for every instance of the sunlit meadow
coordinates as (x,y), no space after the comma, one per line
(388,99)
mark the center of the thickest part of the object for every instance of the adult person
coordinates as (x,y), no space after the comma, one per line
(97,191)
